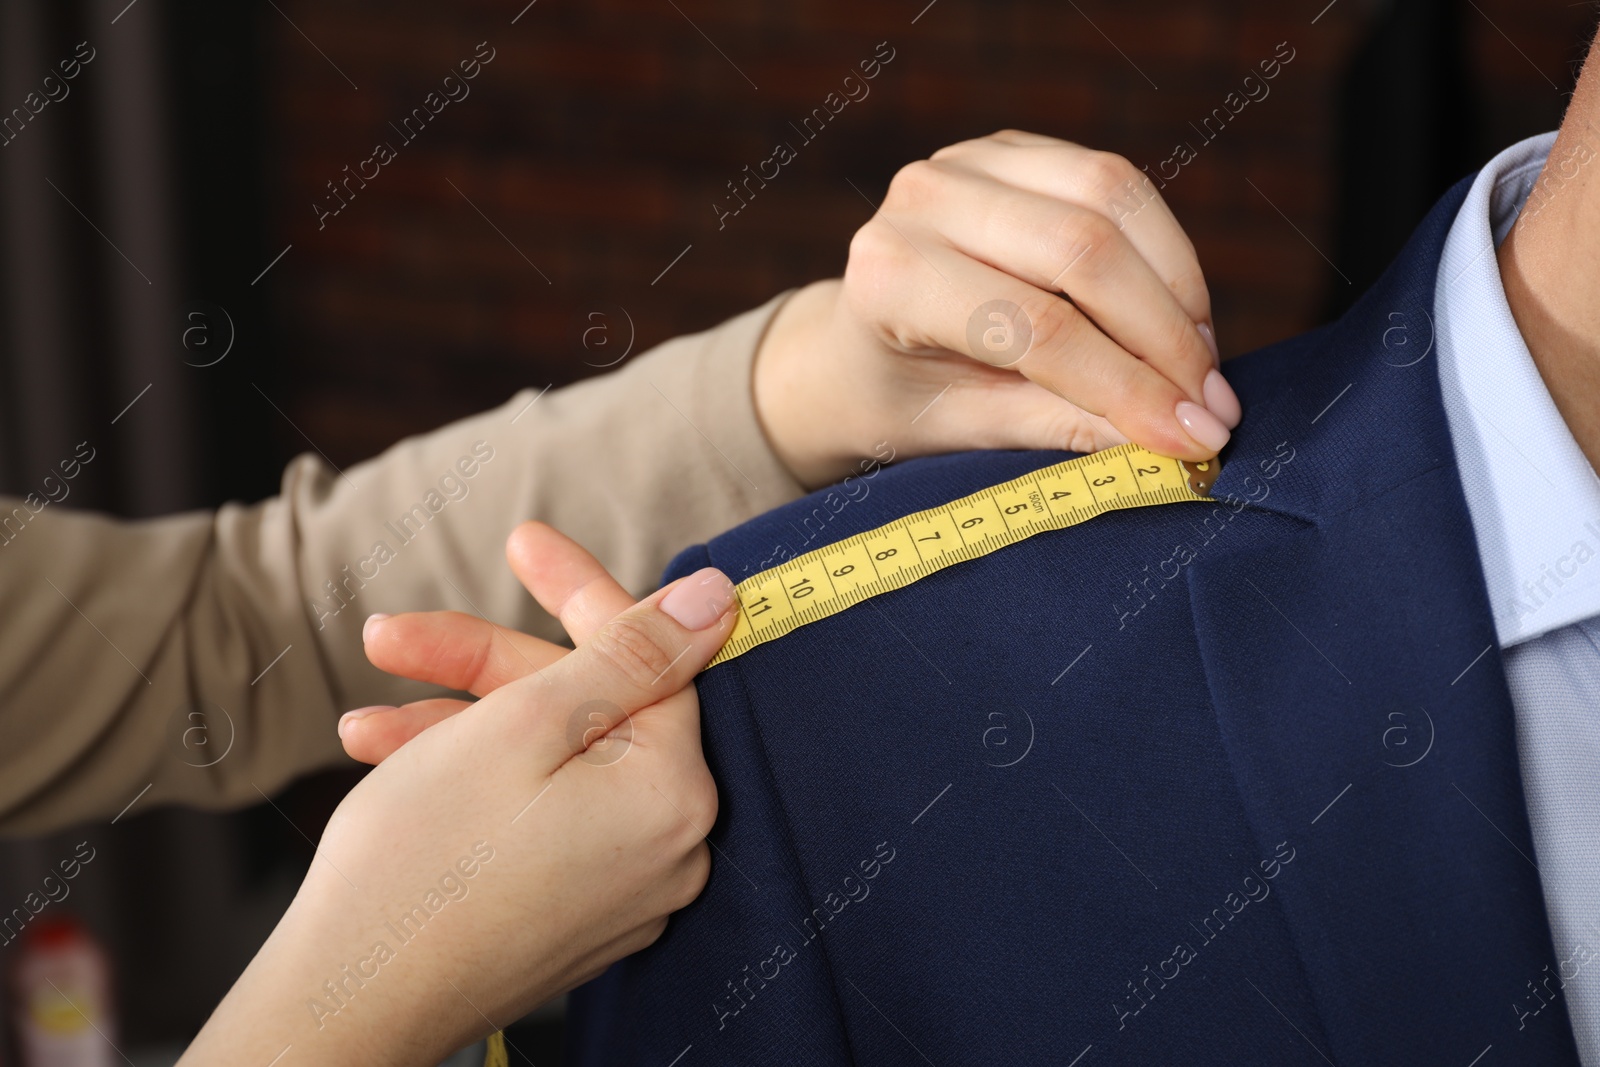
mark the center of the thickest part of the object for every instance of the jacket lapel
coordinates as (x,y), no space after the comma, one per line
(1352,662)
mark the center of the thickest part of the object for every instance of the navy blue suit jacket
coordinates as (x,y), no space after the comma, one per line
(1200,783)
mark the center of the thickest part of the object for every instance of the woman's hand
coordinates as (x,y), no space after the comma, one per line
(514,849)
(464,652)
(950,331)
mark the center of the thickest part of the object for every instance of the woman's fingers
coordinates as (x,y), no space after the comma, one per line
(1033,332)
(1102,182)
(465,652)
(371,735)
(1059,246)
(633,661)
(638,658)
(1012,412)
(565,579)
(641,657)
(454,650)
(461,651)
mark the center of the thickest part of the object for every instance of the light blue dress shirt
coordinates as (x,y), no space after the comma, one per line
(1535,507)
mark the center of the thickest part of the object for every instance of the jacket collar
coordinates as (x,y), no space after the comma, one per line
(1357,400)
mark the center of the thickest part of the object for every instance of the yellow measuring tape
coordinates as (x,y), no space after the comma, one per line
(824,582)
(828,580)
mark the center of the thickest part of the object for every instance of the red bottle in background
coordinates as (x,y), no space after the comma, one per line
(61,998)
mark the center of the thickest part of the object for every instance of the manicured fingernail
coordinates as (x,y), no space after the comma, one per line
(359,713)
(1222,401)
(1209,335)
(699,600)
(1201,425)
(377,617)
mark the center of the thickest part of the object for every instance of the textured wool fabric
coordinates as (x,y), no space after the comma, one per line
(1142,791)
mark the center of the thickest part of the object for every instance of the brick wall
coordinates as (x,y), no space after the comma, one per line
(599,137)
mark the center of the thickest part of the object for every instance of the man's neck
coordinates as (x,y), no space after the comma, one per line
(1550,265)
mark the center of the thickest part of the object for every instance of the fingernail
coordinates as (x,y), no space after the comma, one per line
(377,617)
(1209,335)
(359,713)
(699,600)
(1201,425)
(1222,401)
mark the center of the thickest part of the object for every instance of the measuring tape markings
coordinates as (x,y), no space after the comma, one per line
(827,580)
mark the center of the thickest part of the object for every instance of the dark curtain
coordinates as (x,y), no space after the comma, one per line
(1409,128)
(129,203)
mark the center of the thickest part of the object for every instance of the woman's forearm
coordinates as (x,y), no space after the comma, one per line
(209,655)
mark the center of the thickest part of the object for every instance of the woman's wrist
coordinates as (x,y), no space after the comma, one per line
(321,986)
(796,391)
(272,1007)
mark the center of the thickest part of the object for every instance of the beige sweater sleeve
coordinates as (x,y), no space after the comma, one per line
(204,658)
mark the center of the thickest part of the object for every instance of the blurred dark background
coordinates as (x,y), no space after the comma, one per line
(160,218)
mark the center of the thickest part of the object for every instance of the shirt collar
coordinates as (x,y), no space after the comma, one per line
(1533,498)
